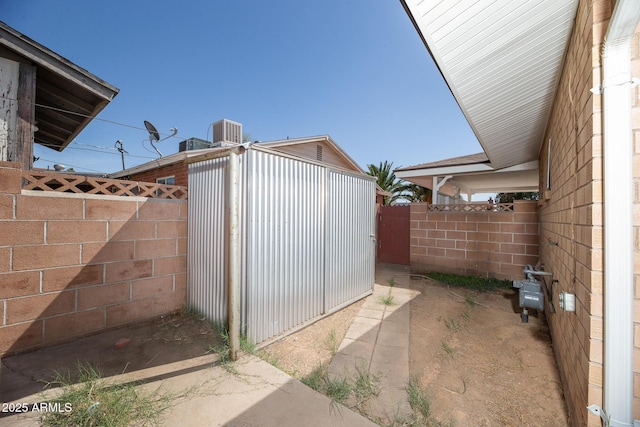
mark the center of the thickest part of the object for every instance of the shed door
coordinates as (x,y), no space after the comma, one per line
(350,238)
(393,234)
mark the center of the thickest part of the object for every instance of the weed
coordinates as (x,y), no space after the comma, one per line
(470,300)
(361,386)
(420,403)
(223,349)
(448,349)
(338,388)
(418,400)
(388,299)
(271,359)
(315,379)
(92,401)
(452,324)
(366,384)
(391,282)
(332,342)
(471,282)
(466,315)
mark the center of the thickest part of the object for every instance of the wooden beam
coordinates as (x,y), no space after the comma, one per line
(26,114)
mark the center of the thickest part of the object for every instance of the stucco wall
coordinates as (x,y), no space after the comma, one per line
(494,244)
(72,264)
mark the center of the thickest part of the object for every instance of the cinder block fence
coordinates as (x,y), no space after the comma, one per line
(73,264)
(492,241)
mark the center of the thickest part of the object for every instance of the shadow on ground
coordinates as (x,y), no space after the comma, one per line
(165,340)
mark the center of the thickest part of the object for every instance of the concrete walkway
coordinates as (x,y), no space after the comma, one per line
(254,394)
(378,340)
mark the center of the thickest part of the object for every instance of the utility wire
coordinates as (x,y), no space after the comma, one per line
(73,166)
(61,110)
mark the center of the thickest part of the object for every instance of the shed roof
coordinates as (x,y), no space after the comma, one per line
(68,97)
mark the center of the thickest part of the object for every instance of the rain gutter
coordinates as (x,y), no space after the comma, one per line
(618,214)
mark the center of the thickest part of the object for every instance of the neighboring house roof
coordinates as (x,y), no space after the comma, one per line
(502,61)
(68,97)
(280,145)
(472,159)
(184,155)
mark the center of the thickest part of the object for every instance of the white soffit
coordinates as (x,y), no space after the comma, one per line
(501,59)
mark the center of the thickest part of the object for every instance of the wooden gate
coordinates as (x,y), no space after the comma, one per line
(393,234)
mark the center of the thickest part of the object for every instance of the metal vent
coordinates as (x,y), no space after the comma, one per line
(227,132)
(195,144)
(319,153)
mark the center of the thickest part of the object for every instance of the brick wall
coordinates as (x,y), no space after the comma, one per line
(179,170)
(489,243)
(571,215)
(73,264)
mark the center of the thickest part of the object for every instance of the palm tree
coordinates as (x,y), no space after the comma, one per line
(386,179)
(415,193)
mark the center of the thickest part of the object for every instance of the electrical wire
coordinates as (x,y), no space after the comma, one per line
(73,166)
(61,110)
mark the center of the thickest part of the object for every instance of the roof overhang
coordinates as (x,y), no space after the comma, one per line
(502,61)
(474,178)
(68,97)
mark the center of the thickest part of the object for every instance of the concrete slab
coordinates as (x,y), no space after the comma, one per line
(364,329)
(387,349)
(372,313)
(392,338)
(356,348)
(255,394)
(343,364)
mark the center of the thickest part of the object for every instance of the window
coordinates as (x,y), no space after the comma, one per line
(167,180)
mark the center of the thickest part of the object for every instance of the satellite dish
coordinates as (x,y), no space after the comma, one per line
(154,135)
(59,167)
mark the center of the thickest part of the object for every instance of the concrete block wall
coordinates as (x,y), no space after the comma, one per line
(494,244)
(571,215)
(74,264)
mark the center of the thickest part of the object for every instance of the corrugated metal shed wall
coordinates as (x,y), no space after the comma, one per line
(207,246)
(308,245)
(285,241)
(350,254)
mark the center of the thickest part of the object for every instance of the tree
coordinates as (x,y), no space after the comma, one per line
(386,179)
(415,193)
(510,197)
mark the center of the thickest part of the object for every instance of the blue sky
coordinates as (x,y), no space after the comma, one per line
(353,69)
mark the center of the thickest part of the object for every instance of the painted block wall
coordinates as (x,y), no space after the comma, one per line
(75,264)
(572,216)
(490,243)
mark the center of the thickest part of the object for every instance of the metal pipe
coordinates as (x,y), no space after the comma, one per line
(618,213)
(235,251)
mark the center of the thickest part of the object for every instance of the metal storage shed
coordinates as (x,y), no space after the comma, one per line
(306,239)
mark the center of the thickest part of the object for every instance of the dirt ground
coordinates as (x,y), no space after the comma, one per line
(474,357)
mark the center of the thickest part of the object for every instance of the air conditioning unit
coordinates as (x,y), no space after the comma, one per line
(227,132)
(195,144)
